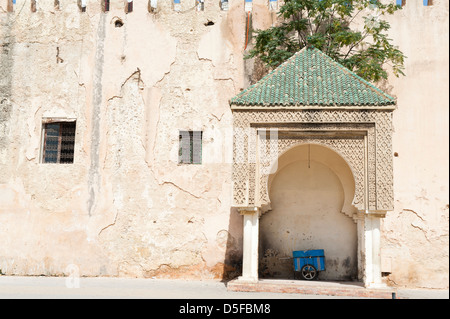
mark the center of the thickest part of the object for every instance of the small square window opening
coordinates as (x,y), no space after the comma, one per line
(58,142)
(190,147)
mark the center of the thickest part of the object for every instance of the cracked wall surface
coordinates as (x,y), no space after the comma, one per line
(417,229)
(125,207)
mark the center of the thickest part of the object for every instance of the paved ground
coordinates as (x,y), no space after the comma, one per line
(12,287)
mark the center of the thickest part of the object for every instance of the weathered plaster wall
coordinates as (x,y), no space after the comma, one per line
(415,242)
(125,207)
(6,70)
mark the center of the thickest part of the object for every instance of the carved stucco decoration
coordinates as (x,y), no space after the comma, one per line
(363,138)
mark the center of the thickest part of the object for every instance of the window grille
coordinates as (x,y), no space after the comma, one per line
(59,142)
(190,147)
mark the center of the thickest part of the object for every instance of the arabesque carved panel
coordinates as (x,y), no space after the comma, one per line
(362,137)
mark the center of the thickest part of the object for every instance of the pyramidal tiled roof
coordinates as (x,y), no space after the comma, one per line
(310,78)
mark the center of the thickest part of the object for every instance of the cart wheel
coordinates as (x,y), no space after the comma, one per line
(308,272)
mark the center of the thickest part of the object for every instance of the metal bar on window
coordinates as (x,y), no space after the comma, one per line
(67,142)
(51,142)
(59,142)
(184,153)
(197,147)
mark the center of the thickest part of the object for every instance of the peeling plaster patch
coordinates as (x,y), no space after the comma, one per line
(213,47)
(412,219)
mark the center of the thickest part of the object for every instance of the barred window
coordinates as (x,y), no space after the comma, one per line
(58,142)
(190,147)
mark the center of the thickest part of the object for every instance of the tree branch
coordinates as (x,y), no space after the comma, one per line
(355,44)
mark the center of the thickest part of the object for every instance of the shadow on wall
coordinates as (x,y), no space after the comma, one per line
(233,247)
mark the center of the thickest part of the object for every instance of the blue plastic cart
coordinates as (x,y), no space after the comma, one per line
(309,263)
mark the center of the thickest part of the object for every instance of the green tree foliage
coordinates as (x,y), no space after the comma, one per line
(330,26)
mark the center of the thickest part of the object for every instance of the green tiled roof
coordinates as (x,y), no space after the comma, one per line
(311,78)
